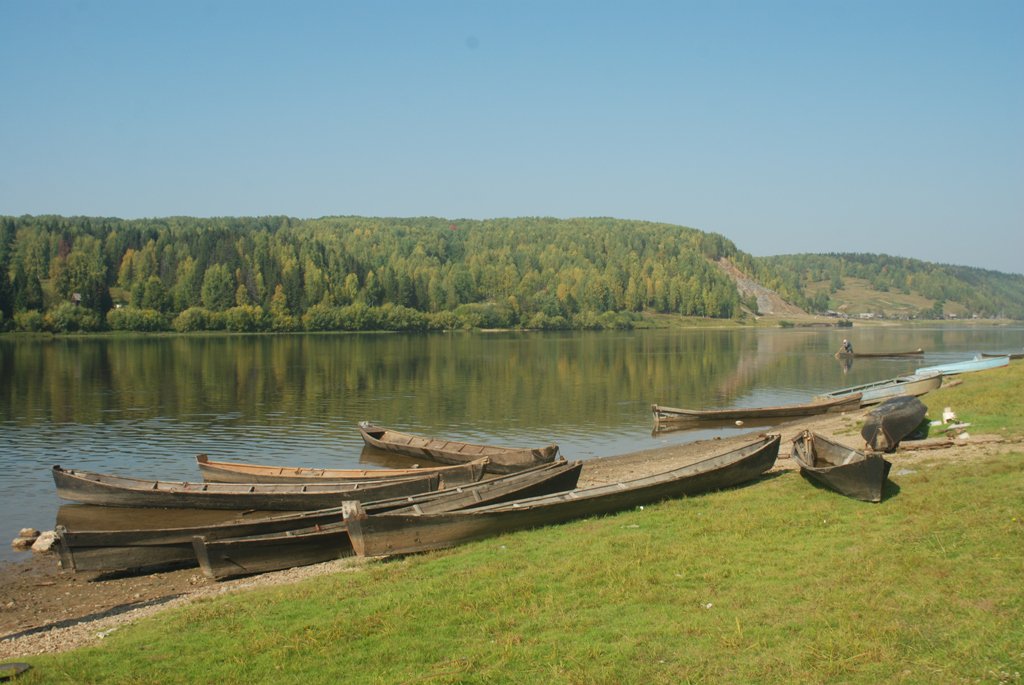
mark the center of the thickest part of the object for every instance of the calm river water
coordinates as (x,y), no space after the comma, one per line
(146,406)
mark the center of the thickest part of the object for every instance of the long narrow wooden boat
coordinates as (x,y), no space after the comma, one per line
(891,421)
(1010,355)
(979,363)
(170,546)
(502,459)
(919,352)
(819,406)
(100,542)
(398,533)
(236,472)
(119,491)
(848,471)
(222,557)
(915,384)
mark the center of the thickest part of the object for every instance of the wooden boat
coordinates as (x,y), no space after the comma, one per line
(979,363)
(1011,356)
(892,421)
(224,557)
(119,491)
(141,548)
(502,459)
(872,393)
(857,355)
(848,471)
(818,406)
(91,539)
(400,533)
(235,472)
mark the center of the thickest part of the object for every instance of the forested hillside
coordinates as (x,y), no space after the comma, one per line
(351,273)
(818,282)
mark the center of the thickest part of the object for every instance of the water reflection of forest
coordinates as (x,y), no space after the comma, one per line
(529,378)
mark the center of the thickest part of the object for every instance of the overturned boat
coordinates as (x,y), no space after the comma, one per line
(892,421)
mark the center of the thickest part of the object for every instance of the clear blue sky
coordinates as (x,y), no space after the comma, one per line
(788,126)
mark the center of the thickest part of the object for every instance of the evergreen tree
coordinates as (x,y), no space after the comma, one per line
(218,291)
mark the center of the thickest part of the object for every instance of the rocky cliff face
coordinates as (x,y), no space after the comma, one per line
(768,301)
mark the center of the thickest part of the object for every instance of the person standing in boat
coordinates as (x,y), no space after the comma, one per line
(847,347)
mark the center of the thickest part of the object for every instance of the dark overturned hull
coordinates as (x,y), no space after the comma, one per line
(891,421)
(400,533)
(847,471)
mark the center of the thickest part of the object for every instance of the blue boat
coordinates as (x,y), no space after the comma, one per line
(979,363)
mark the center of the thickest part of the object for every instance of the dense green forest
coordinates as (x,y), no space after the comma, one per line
(352,273)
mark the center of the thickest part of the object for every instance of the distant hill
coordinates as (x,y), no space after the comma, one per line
(892,286)
(365,273)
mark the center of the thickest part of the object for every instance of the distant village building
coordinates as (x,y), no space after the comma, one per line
(76,298)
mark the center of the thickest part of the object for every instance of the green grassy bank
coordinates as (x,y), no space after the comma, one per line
(776,582)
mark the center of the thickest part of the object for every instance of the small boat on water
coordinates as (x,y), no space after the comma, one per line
(919,352)
(892,421)
(222,557)
(979,363)
(236,472)
(107,539)
(118,491)
(812,408)
(397,533)
(1011,355)
(872,393)
(501,459)
(848,471)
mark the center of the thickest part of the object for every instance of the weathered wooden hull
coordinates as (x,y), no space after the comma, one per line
(224,557)
(837,404)
(145,549)
(891,421)
(501,459)
(117,491)
(231,472)
(397,533)
(221,559)
(1011,356)
(858,355)
(93,548)
(848,471)
(872,393)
